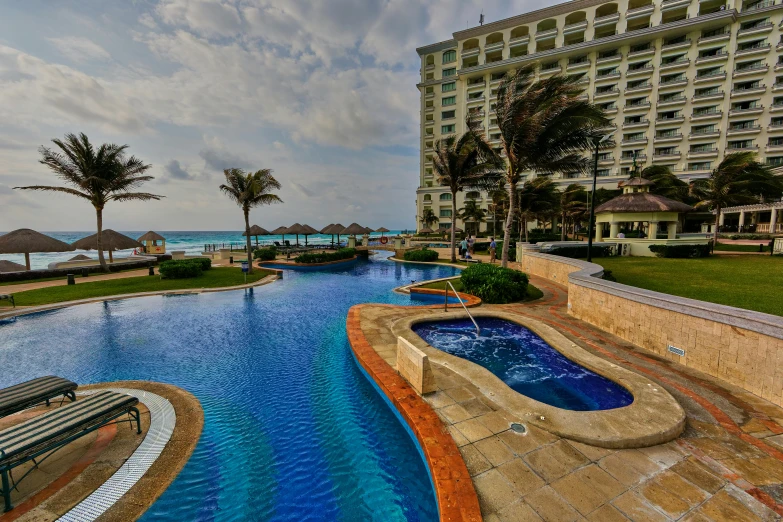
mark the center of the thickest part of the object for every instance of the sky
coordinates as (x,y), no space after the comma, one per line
(323,93)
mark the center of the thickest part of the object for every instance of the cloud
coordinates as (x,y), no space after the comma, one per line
(206,17)
(302,190)
(80,49)
(10,198)
(175,171)
(217,158)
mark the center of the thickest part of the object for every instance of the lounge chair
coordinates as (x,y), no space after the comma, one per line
(51,431)
(27,394)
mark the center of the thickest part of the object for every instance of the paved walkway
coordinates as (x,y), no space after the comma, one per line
(726,466)
(34,285)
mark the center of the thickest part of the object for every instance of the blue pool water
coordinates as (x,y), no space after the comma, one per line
(526,363)
(293,430)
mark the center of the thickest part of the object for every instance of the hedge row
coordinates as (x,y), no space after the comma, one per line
(494,284)
(326,257)
(46,273)
(680,251)
(265,254)
(421,255)
(578,252)
(184,268)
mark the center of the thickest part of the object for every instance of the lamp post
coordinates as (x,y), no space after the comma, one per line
(597,142)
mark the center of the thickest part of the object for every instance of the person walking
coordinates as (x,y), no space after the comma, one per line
(470,245)
(492,250)
(463,248)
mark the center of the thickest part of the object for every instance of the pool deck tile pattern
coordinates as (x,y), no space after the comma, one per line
(726,466)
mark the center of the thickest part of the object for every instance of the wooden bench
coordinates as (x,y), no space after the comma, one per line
(53,430)
(27,394)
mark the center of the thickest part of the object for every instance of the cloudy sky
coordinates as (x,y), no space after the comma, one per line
(322,92)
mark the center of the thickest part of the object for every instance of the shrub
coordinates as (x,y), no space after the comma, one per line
(494,284)
(680,251)
(421,255)
(204,262)
(578,252)
(265,254)
(326,257)
(180,269)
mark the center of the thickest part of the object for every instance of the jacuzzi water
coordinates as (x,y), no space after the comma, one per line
(526,363)
(293,430)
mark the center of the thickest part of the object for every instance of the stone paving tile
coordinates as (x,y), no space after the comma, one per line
(473,430)
(550,506)
(494,491)
(455,413)
(495,450)
(674,483)
(439,399)
(555,460)
(521,476)
(495,421)
(724,507)
(759,472)
(474,460)
(580,493)
(636,508)
(519,511)
(475,407)
(522,444)
(699,475)
(665,500)
(591,452)
(460,394)
(606,513)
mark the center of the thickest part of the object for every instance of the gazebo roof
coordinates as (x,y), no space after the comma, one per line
(10,266)
(425,230)
(642,202)
(636,182)
(353,229)
(296,228)
(255,230)
(279,231)
(26,241)
(111,241)
(152,236)
(80,257)
(337,228)
(309,230)
(325,230)
(383,230)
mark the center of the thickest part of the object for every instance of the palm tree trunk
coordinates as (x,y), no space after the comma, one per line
(101,259)
(563,227)
(524,224)
(512,190)
(249,244)
(453,226)
(717,221)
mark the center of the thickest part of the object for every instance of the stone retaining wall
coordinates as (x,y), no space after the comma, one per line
(742,347)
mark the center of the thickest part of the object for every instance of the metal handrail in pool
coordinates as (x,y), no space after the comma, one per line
(446,304)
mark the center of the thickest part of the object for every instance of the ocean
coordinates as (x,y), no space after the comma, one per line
(192,242)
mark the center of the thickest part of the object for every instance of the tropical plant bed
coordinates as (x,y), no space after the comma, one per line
(749,282)
(214,278)
(533,293)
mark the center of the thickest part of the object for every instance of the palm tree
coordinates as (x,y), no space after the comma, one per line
(428,217)
(667,183)
(248,190)
(544,127)
(572,205)
(737,180)
(537,196)
(467,162)
(499,205)
(472,213)
(99,176)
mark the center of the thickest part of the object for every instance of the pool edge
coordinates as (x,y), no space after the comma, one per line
(454,491)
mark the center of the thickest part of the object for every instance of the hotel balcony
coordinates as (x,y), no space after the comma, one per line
(668,102)
(475,87)
(475,102)
(606,94)
(546,35)
(605,161)
(637,124)
(629,159)
(704,135)
(669,120)
(776,107)
(704,78)
(748,71)
(679,82)
(520,40)
(639,12)
(676,45)
(758,5)
(677,64)
(640,88)
(646,70)
(738,131)
(759,29)
(775,127)
(746,112)
(606,77)
(572,66)
(706,116)
(707,97)
(649,49)
(429,109)
(696,154)
(774,148)
(429,95)
(609,58)
(742,148)
(668,5)
(496,46)
(550,70)
(473,51)
(636,141)
(575,27)
(610,19)
(636,107)
(761,89)
(777,87)
(712,58)
(714,38)
(757,49)
(667,156)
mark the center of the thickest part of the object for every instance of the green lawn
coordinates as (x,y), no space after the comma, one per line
(732,247)
(76,271)
(213,278)
(533,293)
(750,282)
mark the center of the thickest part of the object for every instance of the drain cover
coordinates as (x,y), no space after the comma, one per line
(518,428)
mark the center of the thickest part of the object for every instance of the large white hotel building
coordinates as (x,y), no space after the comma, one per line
(684,81)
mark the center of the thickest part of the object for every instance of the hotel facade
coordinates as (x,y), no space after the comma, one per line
(685,82)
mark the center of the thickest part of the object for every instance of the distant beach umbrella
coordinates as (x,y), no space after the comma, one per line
(280,231)
(425,230)
(256,231)
(335,229)
(80,257)
(111,241)
(26,241)
(353,229)
(310,231)
(296,229)
(10,266)
(325,230)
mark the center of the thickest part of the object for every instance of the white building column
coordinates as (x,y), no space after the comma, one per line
(741,220)
(671,228)
(773,220)
(599,229)
(721,218)
(652,232)
(614,229)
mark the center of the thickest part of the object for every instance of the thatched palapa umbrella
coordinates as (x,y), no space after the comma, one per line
(280,231)
(111,241)
(256,231)
(26,241)
(425,230)
(354,229)
(309,231)
(10,266)
(383,230)
(333,230)
(296,229)
(80,257)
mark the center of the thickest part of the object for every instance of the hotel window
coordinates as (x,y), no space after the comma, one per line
(669,133)
(447,115)
(427,197)
(703,111)
(704,147)
(607,72)
(703,129)
(449,56)
(756,44)
(777,161)
(637,102)
(714,32)
(447,87)
(672,78)
(445,197)
(706,91)
(776,122)
(745,106)
(775,142)
(777,101)
(634,119)
(635,136)
(447,129)
(711,71)
(739,144)
(445,212)
(608,106)
(449,100)
(753,24)
(449,72)
(427,172)
(707,53)
(602,172)
(605,156)
(750,66)
(637,84)
(638,65)
(740,125)
(701,165)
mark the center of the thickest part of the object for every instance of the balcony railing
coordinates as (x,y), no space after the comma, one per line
(758,5)
(605,20)
(673,45)
(706,96)
(754,48)
(710,57)
(673,99)
(759,27)
(549,33)
(675,63)
(494,46)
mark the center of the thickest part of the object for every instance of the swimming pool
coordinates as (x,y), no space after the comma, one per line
(526,363)
(293,430)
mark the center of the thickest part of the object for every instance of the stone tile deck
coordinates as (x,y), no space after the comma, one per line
(726,466)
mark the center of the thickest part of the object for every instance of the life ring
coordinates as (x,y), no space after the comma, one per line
(134,251)
(384,240)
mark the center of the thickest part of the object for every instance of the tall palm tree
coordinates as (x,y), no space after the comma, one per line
(428,217)
(737,180)
(472,213)
(544,127)
(99,176)
(499,206)
(667,183)
(248,190)
(538,196)
(571,205)
(465,162)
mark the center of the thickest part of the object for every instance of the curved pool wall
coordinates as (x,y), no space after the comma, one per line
(526,363)
(293,430)
(318,266)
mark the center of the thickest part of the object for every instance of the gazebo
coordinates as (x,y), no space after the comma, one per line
(352,230)
(638,208)
(150,241)
(111,241)
(26,241)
